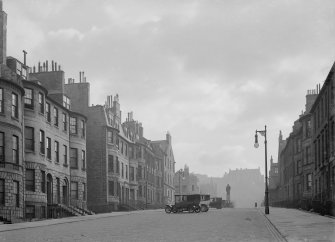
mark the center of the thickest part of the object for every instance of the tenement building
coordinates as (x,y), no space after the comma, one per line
(125,170)
(306,163)
(36,180)
(42,162)
(295,162)
(323,146)
(306,143)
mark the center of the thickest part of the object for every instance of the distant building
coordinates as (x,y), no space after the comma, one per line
(247,186)
(273,181)
(186,182)
(168,168)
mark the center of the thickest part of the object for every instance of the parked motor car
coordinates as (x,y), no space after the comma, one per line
(183,203)
(216,202)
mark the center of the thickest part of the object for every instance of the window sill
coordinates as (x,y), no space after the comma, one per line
(15,118)
(42,114)
(74,168)
(41,154)
(65,165)
(49,159)
(31,109)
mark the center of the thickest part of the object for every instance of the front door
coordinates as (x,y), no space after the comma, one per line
(49,189)
(65,194)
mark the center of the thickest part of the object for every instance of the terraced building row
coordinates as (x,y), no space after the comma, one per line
(59,156)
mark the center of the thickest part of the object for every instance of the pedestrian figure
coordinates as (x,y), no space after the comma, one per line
(228,193)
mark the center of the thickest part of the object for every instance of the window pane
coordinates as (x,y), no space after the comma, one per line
(28,98)
(14,105)
(73,125)
(30,180)
(56,116)
(41,102)
(74,190)
(29,138)
(15,148)
(73,158)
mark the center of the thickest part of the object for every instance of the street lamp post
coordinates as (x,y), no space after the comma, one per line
(263,132)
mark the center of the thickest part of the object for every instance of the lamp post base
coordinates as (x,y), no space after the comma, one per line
(267,210)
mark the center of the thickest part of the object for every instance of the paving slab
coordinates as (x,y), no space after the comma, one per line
(300,225)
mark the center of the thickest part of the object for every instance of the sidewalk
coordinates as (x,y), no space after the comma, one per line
(48,222)
(300,225)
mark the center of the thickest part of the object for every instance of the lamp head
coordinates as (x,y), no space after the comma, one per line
(256,145)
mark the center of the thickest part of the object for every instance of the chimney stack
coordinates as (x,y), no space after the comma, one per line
(24,55)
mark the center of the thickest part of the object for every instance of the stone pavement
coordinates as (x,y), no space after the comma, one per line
(48,222)
(300,225)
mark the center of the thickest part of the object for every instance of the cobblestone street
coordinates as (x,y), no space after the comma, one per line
(215,225)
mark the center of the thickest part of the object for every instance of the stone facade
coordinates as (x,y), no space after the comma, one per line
(36,140)
(309,184)
(125,170)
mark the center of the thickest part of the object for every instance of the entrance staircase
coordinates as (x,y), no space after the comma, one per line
(61,210)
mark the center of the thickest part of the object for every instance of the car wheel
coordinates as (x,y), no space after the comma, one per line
(204,208)
(190,209)
(167,209)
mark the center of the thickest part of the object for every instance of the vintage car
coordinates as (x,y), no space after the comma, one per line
(190,203)
(204,202)
(183,203)
(216,202)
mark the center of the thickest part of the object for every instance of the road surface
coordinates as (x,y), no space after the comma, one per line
(226,224)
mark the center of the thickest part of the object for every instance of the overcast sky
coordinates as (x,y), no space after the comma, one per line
(209,72)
